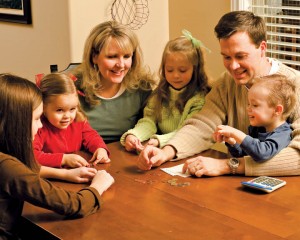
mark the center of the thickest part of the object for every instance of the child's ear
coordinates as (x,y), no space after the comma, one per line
(279,109)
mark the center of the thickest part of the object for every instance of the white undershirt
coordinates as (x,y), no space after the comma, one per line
(274,65)
(121,90)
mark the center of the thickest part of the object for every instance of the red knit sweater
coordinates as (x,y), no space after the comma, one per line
(50,143)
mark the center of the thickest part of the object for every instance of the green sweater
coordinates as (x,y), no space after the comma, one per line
(226,104)
(171,120)
(112,117)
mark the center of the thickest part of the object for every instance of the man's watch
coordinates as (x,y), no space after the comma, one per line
(233,163)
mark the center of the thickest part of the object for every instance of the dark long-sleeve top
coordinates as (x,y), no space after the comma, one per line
(18,183)
(262,145)
(50,143)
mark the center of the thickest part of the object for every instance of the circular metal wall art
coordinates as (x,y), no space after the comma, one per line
(133,13)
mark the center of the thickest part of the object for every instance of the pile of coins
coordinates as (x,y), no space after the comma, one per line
(144,181)
(174,182)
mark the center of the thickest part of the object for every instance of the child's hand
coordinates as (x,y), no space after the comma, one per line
(99,156)
(153,142)
(73,161)
(132,143)
(217,135)
(80,175)
(230,140)
(225,133)
(102,181)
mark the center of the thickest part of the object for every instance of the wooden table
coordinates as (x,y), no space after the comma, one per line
(143,205)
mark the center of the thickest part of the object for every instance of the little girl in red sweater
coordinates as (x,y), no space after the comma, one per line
(65,128)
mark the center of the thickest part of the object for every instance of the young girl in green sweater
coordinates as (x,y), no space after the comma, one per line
(180,93)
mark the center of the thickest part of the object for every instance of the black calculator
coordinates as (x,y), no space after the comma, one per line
(264,183)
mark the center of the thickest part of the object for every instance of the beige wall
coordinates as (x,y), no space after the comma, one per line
(59,30)
(83,16)
(30,49)
(200,18)
(152,35)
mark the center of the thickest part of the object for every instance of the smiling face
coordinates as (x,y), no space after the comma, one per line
(243,59)
(178,70)
(260,113)
(61,110)
(113,63)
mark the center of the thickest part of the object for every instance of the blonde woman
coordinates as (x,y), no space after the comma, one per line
(113,80)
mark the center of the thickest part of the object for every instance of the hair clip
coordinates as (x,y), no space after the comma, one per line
(38,79)
(196,43)
(74,79)
(80,93)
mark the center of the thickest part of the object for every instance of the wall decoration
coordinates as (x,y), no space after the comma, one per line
(133,13)
(17,11)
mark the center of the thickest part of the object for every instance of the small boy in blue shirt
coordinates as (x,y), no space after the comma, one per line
(270,102)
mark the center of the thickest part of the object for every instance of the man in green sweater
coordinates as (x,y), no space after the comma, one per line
(242,38)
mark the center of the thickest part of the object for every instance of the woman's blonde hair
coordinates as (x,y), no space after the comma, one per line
(99,38)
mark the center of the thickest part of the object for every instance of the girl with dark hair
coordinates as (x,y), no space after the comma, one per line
(21,178)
